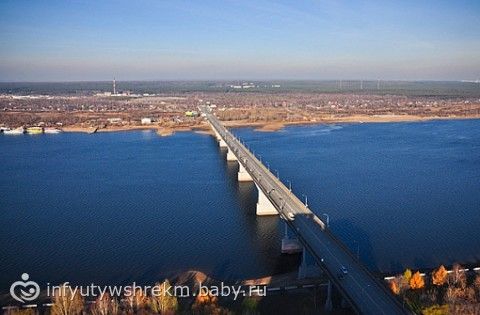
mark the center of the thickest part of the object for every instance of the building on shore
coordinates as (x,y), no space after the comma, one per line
(114,120)
(146,121)
(191,113)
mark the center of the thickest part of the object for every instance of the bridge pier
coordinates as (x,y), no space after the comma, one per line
(217,135)
(372,298)
(222,143)
(243,175)
(264,206)
(230,156)
(290,245)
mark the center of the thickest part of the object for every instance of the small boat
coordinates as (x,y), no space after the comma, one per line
(34,130)
(16,131)
(52,130)
(92,131)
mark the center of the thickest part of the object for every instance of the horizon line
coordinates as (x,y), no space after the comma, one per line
(243,79)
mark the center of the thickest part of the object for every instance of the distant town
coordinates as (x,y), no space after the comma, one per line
(266,105)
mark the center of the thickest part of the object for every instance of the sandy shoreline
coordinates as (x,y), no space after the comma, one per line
(358,119)
(266,126)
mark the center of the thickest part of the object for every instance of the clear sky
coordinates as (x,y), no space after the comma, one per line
(60,40)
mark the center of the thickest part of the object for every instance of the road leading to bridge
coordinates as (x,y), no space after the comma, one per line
(366,293)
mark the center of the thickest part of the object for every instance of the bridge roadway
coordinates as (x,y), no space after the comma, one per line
(365,293)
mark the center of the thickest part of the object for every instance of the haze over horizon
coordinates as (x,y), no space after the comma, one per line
(225,40)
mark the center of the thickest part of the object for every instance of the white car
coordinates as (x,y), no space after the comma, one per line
(343,272)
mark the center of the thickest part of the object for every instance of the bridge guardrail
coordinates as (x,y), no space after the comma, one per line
(234,144)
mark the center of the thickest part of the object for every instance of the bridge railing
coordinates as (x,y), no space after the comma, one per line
(232,143)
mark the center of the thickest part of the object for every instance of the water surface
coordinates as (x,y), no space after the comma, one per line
(403,194)
(111,208)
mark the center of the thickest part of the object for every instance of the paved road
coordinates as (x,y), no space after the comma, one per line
(365,292)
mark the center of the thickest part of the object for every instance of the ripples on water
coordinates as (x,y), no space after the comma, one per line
(131,206)
(405,194)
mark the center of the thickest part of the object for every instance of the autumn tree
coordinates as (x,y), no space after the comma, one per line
(105,305)
(416,281)
(439,276)
(162,301)
(459,295)
(136,300)
(207,304)
(20,311)
(67,301)
(250,306)
(395,287)
(407,275)
(476,284)
(457,277)
(436,310)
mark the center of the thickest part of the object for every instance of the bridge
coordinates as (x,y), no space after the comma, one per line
(363,290)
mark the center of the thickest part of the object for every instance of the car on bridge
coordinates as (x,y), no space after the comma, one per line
(343,272)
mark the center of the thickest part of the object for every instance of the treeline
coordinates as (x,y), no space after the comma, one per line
(71,302)
(441,292)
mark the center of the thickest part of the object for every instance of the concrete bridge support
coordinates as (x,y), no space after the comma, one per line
(222,143)
(243,175)
(264,206)
(230,156)
(290,245)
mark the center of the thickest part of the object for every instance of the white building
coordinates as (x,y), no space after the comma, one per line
(147,121)
(114,120)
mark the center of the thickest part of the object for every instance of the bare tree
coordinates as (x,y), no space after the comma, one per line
(67,302)
(163,302)
(105,305)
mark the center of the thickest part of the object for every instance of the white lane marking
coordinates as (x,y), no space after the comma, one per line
(274,182)
(351,277)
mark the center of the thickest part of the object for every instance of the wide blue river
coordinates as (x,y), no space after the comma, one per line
(112,208)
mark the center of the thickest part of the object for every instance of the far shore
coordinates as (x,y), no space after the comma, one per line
(359,119)
(160,130)
(266,126)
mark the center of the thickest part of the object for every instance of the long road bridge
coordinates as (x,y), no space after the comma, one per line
(363,290)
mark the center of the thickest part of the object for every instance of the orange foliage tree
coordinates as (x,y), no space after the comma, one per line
(416,281)
(439,276)
(207,304)
(394,287)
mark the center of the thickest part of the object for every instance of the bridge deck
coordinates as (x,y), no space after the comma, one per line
(362,289)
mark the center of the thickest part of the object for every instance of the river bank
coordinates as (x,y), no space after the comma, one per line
(359,119)
(160,130)
(265,126)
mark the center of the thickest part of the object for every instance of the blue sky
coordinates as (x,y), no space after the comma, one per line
(325,39)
